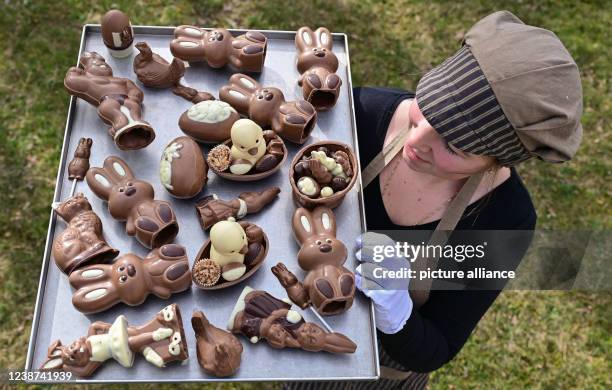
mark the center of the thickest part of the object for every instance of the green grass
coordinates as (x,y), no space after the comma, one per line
(543,340)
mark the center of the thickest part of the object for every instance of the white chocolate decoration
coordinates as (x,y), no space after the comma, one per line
(161,333)
(254,339)
(210,111)
(307,186)
(165,166)
(168,313)
(247,83)
(329,163)
(92,273)
(188,44)
(95,294)
(118,168)
(326,192)
(293,316)
(152,357)
(102,180)
(326,221)
(193,31)
(175,345)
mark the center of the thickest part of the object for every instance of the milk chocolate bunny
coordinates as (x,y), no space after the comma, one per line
(130,279)
(152,221)
(81,243)
(318,65)
(218,47)
(294,121)
(328,286)
(119,100)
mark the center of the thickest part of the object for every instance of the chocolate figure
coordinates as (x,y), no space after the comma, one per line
(154,71)
(78,166)
(218,350)
(217,47)
(117,33)
(161,341)
(294,121)
(328,286)
(152,221)
(212,209)
(119,100)
(130,279)
(81,242)
(318,65)
(259,315)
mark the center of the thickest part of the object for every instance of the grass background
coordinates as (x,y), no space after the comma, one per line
(528,339)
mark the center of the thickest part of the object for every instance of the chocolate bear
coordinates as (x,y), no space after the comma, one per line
(130,279)
(294,121)
(318,65)
(152,221)
(119,100)
(217,47)
(81,242)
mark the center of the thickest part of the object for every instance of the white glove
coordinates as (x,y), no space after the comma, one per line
(392,303)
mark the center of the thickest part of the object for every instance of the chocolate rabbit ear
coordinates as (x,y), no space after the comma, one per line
(338,343)
(324,38)
(324,221)
(82,277)
(54,358)
(118,169)
(305,39)
(238,92)
(95,297)
(303,225)
(100,182)
(187,43)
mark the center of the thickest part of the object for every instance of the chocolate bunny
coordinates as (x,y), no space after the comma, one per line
(119,100)
(130,279)
(152,221)
(294,121)
(81,242)
(259,315)
(328,286)
(218,47)
(78,166)
(318,65)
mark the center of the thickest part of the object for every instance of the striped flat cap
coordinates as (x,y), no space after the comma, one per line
(512,92)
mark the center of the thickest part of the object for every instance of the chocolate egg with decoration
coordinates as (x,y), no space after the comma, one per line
(182,169)
(117,33)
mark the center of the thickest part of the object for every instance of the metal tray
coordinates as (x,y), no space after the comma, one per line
(56,318)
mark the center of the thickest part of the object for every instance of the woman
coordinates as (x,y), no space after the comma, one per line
(512,92)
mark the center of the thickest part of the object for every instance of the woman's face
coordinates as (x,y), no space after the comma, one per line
(426,151)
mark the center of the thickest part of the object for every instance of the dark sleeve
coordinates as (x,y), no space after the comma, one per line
(437,331)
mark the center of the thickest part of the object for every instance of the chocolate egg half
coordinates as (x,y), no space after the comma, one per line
(183,170)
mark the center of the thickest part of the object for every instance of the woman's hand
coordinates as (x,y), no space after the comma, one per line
(384,280)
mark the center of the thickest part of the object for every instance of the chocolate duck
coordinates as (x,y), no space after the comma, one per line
(219,351)
(154,71)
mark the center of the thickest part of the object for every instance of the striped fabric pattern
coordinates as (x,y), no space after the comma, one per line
(458,102)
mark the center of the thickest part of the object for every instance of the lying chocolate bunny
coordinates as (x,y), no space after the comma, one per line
(318,65)
(152,221)
(328,286)
(218,47)
(130,279)
(294,121)
(119,100)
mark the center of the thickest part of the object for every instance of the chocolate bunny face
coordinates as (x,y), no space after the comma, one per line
(266,106)
(116,184)
(315,49)
(152,221)
(316,233)
(318,65)
(131,279)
